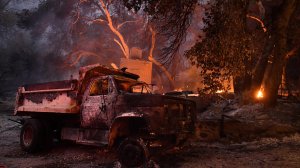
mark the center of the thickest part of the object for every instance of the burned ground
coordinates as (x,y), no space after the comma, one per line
(256,138)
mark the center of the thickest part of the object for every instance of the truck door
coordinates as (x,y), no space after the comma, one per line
(96,111)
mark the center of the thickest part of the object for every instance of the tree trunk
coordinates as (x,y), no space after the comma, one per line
(261,65)
(273,79)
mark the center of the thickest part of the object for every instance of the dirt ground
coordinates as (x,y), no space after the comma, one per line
(272,147)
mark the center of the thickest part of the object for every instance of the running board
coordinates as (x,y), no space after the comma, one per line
(92,143)
(95,137)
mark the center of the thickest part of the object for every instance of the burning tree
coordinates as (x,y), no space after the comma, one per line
(231,45)
(234,35)
(237,34)
(229,48)
(171,19)
(277,61)
(105,18)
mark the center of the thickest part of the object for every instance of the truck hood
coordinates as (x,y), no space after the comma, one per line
(151,100)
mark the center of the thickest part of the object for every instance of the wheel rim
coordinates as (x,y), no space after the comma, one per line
(132,155)
(27,135)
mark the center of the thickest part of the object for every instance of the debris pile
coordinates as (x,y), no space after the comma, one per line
(227,120)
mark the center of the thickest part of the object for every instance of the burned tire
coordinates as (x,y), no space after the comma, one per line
(31,135)
(133,152)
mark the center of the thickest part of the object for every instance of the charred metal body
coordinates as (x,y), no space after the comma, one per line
(104,106)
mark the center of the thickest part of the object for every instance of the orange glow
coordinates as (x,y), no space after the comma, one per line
(258,20)
(220,91)
(259,94)
(114,65)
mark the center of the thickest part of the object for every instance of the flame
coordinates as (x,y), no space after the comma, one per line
(259,94)
(178,90)
(220,91)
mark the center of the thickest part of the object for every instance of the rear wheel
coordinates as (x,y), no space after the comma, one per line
(133,152)
(31,135)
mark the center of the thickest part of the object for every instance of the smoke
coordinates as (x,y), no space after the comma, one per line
(42,40)
(187,76)
(18,5)
(28,53)
(189,80)
(49,40)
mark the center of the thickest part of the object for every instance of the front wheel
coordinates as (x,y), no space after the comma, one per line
(31,135)
(133,152)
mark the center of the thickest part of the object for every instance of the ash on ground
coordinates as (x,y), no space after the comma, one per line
(248,136)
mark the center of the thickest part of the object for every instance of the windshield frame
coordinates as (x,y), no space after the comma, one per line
(144,85)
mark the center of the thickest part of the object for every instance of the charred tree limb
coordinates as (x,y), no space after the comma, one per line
(125,48)
(153,60)
(259,21)
(172,19)
(75,57)
(122,24)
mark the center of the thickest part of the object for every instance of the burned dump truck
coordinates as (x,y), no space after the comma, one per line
(103,107)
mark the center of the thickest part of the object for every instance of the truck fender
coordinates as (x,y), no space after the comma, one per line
(125,125)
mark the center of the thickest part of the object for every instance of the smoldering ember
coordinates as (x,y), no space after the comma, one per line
(148,83)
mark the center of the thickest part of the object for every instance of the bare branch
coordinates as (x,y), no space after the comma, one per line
(114,30)
(292,52)
(172,20)
(78,55)
(77,17)
(99,6)
(99,21)
(153,40)
(123,50)
(122,24)
(153,60)
(258,20)
(164,69)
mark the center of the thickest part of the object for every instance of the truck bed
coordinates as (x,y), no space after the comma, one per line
(51,97)
(65,84)
(61,96)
